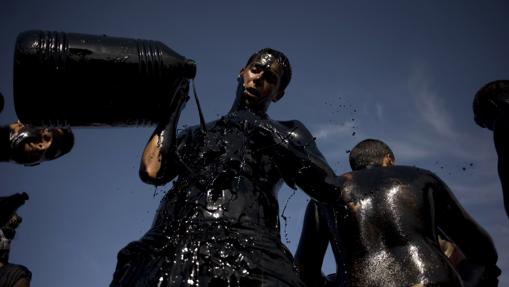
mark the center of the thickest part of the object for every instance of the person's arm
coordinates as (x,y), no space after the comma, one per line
(473,241)
(303,165)
(159,159)
(501,139)
(312,247)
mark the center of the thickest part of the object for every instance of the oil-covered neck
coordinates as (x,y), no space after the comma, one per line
(242,104)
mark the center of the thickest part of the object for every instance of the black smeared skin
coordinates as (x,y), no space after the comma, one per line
(219,225)
(385,234)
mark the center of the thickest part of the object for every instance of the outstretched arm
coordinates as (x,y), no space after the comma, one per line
(312,247)
(474,242)
(303,165)
(159,160)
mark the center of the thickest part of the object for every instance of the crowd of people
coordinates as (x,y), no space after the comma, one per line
(388,225)
(219,225)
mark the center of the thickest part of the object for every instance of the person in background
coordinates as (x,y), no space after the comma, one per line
(386,230)
(491,111)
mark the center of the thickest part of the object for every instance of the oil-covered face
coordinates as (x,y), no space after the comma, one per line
(261,81)
(32,145)
(32,151)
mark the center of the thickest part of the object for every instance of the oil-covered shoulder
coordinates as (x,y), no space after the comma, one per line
(416,172)
(296,129)
(411,168)
(296,125)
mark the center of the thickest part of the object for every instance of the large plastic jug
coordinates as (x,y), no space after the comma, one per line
(70,79)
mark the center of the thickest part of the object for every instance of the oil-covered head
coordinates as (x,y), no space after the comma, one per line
(31,146)
(371,153)
(269,55)
(63,141)
(264,79)
(491,102)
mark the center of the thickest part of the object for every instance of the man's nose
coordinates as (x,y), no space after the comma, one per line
(258,76)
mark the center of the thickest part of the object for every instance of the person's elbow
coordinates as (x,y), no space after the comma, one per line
(150,175)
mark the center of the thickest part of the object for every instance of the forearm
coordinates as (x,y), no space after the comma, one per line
(318,180)
(473,241)
(300,162)
(310,172)
(312,247)
(159,159)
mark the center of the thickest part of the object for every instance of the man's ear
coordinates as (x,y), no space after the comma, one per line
(278,96)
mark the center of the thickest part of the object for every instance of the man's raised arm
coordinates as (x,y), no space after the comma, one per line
(474,242)
(159,159)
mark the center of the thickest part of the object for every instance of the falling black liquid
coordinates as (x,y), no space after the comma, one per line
(340,112)
(450,171)
(285,219)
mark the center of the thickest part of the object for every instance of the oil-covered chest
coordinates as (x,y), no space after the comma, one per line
(231,145)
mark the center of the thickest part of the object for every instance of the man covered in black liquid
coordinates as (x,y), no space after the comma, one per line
(219,224)
(386,231)
(491,111)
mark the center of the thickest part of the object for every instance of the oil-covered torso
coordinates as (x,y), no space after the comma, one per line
(227,174)
(221,217)
(384,233)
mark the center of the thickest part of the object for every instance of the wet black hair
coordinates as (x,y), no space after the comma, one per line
(281,59)
(60,145)
(369,153)
(490,102)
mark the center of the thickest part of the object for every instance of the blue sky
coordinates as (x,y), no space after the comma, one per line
(401,71)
